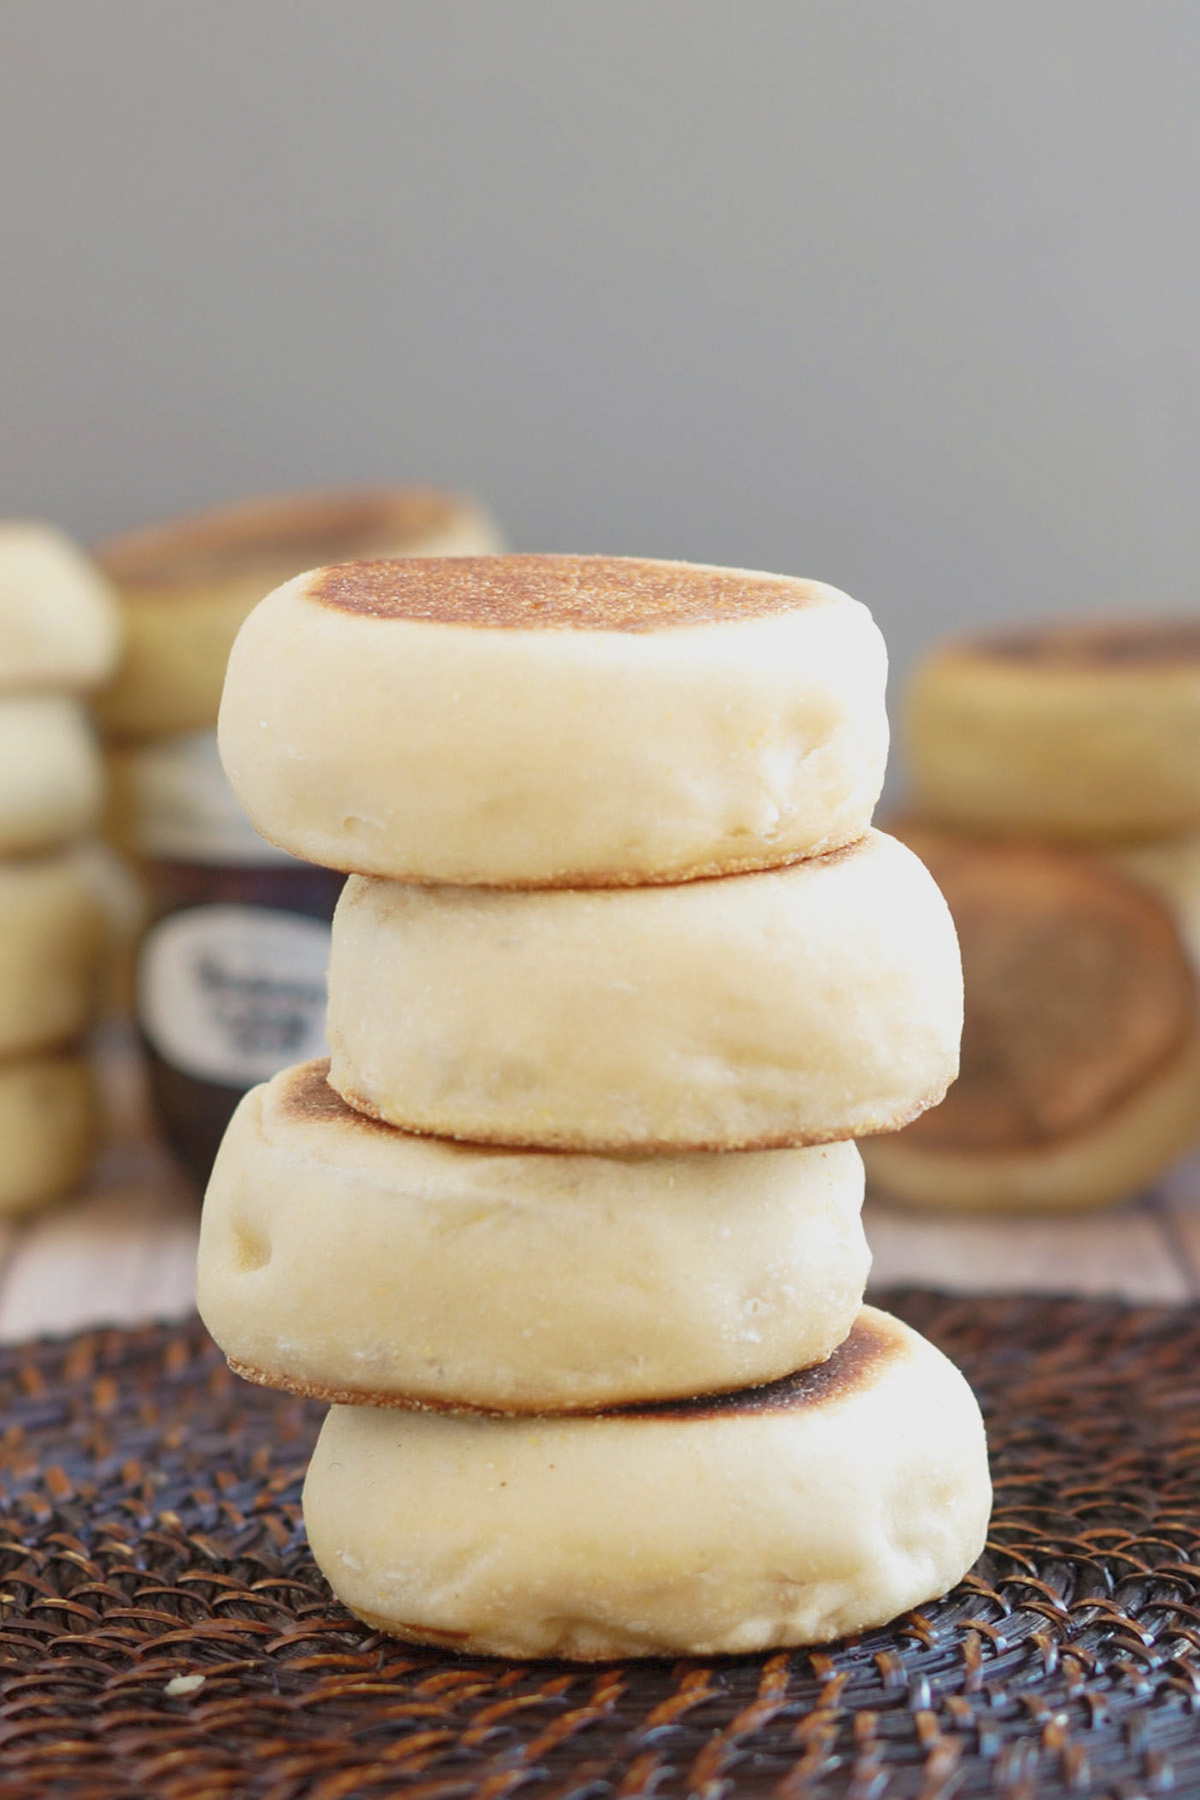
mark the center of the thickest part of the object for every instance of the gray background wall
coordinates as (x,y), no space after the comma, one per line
(904,296)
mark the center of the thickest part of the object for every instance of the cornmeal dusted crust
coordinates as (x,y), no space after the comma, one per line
(559,593)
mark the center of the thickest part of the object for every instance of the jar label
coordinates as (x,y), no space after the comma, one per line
(234,993)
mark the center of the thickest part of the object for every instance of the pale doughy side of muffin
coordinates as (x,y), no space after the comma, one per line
(484,756)
(806,1004)
(696,1530)
(347,1259)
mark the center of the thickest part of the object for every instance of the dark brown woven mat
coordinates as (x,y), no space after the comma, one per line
(150,1531)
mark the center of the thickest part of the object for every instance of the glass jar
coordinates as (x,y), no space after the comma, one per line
(230,981)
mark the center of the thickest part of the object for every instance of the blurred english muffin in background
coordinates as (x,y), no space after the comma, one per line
(59,628)
(1075,733)
(49,1115)
(51,775)
(1171,866)
(186,585)
(1081,1081)
(1080,1074)
(53,937)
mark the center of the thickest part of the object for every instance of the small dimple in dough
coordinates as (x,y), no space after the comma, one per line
(251,1249)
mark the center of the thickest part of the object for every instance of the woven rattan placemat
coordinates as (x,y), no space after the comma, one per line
(164,1632)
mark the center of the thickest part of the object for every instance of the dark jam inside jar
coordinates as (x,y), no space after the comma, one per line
(231,970)
(213,928)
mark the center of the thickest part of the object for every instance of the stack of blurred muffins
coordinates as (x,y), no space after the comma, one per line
(1055,794)
(58,640)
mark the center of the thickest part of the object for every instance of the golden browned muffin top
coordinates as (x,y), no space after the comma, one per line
(579,593)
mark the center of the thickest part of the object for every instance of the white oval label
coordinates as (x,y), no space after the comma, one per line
(234,993)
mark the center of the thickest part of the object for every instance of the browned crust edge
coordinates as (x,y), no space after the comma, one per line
(393,1400)
(465,1644)
(1096,646)
(649,1146)
(308,1096)
(587,881)
(844,1371)
(461,1641)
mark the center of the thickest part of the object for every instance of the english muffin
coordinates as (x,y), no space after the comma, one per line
(346,1259)
(53,937)
(797,1005)
(48,1127)
(793,1514)
(51,775)
(1084,733)
(539,721)
(1080,1076)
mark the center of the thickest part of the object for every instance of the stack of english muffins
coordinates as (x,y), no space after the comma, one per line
(568,1230)
(1056,797)
(58,639)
